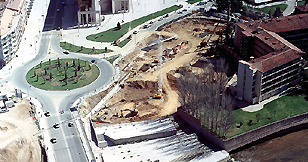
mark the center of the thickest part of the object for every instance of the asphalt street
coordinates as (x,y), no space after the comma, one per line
(68,147)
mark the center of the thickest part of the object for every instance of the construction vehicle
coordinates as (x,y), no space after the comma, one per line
(157,96)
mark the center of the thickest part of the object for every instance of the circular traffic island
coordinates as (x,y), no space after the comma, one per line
(62,74)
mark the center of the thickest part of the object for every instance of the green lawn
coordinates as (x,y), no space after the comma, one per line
(113,58)
(300,3)
(285,106)
(273,8)
(193,1)
(114,34)
(74,78)
(77,49)
(123,43)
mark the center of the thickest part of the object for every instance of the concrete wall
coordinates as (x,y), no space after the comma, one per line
(243,139)
(142,137)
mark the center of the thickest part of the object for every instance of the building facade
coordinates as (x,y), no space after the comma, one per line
(271,54)
(13,22)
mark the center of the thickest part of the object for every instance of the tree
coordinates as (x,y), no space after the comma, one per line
(64,43)
(58,61)
(49,62)
(50,76)
(118,26)
(41,63)
(81,48)
(203,96)
(277,13)
(93,49)
(106,49)
(258,117)
(224,5)
(66,65)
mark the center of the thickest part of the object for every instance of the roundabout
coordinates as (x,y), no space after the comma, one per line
(62,74)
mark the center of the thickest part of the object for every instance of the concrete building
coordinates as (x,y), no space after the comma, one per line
(271,56)
(90,11)
(13,22)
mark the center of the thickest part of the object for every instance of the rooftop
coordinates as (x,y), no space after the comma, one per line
(15,5)
(266,31)
(303,8)
(8,21)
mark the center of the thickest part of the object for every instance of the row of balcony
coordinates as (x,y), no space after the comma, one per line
(281,68)
(280,84)
(280,74)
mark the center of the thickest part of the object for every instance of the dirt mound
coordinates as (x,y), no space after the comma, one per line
(141,84)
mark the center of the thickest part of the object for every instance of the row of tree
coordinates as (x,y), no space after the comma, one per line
(203,95)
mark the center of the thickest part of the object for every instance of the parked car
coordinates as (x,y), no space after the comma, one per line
(47,114)
(135,32)
(70,124)
(160,19)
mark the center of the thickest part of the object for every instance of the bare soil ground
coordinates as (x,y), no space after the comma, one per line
(134,101)
(18,139)
(291,147)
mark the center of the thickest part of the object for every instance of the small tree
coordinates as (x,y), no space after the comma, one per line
(73,62)
(258,117)
(49,62)
(45,72)
(50,76)
(106,49)
(65,75)
(66,65)
(65,43)
(93,49)
(118,26)
(81,48)
(41,63)
(58,61)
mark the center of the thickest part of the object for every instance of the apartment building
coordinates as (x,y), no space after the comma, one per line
(271,56)
(13,22)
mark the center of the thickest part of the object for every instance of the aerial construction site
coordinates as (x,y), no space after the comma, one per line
(184,42)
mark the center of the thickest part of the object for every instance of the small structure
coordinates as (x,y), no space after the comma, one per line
(9,104)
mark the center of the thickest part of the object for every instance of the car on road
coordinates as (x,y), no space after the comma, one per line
(73,109)
(65,52)
(167,15)
(63,3)
(184,10)
(160,19)
(180,12)
(56,125)
(70,124)
(135,32)
(53,140)
(93,61)
(47,114)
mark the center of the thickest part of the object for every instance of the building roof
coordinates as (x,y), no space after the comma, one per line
(303,8)
(266,31)
(275,59)
(15,5)
(8,21)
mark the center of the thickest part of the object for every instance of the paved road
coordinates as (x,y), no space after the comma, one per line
(68,147)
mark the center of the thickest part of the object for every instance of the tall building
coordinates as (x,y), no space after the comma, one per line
(271,52)
(13,22)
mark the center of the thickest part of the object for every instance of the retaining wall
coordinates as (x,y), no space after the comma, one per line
(243,139)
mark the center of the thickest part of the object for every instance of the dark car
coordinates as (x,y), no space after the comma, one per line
(56,125)
(73,109)
(70,124)
(65,52)
(63,3)
(53,140)
(47,114)
(92,61)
